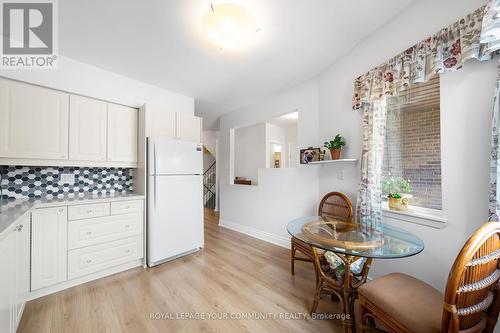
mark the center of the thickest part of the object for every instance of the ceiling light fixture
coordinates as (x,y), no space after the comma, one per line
(229,26)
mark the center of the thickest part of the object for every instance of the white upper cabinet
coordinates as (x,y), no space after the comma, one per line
(33,122)
(122,134)
(160,123)
(188,128)
(87,129)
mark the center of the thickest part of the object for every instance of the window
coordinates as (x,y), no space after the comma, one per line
(413,142)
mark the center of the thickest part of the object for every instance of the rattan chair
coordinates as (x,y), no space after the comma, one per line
(335,205)
(470,304)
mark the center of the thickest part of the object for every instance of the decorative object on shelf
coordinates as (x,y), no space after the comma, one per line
(335,146)
(309,155)
(325,154)
(242,181)
(398,192)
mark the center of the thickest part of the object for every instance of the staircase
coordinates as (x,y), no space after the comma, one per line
(209,187)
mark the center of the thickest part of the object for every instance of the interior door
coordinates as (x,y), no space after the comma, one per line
(175,220)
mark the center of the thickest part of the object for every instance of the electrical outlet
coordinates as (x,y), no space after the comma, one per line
(68,178)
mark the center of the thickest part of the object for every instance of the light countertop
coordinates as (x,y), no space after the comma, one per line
(12,210)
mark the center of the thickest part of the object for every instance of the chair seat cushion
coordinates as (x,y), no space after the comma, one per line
(338,265)
(409,301)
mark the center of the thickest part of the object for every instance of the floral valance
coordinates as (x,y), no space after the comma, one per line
(445,51)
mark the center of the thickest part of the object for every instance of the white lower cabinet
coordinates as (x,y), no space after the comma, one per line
(22,269)
(14,280)
(77,240)
(92,259)
(7,282)
(103,229)
(48,246)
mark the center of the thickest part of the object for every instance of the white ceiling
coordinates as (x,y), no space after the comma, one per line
(160,42)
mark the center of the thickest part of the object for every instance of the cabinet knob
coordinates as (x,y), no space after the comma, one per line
(89,261)
(128,251)
(89,211)
(89,233)
(126,207)
(127,226)
(61,210)
(20,228)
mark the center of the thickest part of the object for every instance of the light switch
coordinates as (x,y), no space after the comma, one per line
(68,178)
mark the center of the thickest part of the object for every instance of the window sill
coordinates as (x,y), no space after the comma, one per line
(418,215)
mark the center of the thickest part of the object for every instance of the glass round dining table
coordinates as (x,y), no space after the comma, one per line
(350,242)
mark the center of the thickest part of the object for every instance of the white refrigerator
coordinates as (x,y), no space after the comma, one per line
(175,199)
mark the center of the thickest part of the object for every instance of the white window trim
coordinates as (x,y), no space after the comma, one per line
(433,218)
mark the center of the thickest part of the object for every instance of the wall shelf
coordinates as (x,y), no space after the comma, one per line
(344,160)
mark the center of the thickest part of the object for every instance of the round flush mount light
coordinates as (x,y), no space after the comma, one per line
(230,26)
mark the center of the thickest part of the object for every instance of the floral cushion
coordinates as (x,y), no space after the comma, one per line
(337,264)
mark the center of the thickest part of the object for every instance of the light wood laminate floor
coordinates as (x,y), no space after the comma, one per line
(233,274)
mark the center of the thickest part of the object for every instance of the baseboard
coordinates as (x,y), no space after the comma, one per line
(87,278)
(256,233)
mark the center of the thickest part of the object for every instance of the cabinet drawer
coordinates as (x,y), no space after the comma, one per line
(98,257)
(103,229)
(126,207)
(88,211)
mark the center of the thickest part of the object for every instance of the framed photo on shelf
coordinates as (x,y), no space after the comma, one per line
(308,155)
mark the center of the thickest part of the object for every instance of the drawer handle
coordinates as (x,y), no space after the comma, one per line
(20,228)
(89,233)
(89,261)
(127,251)
(126,207)
(127,226)
(89,211)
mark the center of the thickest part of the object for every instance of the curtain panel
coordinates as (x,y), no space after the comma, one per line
(445,51)
(476,36)
(494,207)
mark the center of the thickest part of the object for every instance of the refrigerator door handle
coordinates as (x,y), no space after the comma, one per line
(154,177)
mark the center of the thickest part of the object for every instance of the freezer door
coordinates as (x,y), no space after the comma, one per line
(175,216)
(174,157)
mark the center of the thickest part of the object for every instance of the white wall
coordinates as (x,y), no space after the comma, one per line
(466,106)
(282,194)
(325,108)
(249,151)
(80,78)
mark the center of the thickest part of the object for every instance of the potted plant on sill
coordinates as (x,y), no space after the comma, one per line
(335,146)
(398,192)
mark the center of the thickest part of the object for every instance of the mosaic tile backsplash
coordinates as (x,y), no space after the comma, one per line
(45,182)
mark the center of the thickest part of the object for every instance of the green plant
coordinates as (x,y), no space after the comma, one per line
(337,143)
(395,187)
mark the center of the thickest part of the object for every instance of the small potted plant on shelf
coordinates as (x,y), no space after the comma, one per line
(335,146)
(398,192)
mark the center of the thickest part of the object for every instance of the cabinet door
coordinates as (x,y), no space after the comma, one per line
(87,129)
(160,123)
(7,245)
(33,122)
(48,247)
(188,128)
(22,267)
(122,134)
